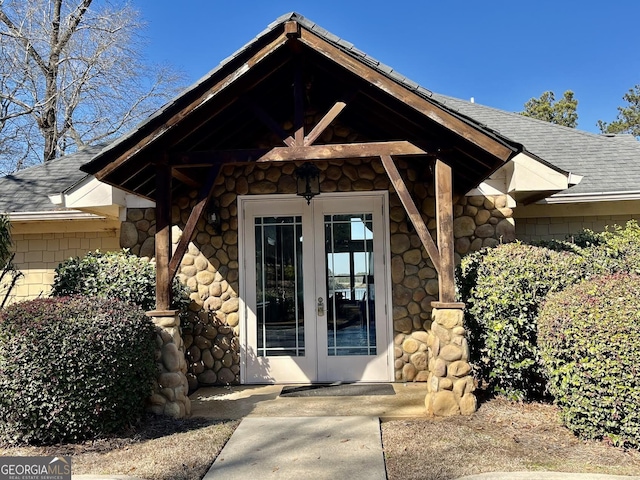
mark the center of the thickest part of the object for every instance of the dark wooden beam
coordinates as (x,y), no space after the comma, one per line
(190,228)
(202,99)
(347,150)
(292,29)
(429,109)
(163,236)
(186,179)
(412,211)
(207,158)
(324,122)
(444,219)
(268,121)
(279,154)
(298,102)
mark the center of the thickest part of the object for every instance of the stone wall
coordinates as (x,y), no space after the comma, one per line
(478,222)
(210,268)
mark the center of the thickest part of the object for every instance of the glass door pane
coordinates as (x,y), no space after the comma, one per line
(351,327)
(279,287)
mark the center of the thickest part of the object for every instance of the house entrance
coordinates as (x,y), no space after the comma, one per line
(316,289)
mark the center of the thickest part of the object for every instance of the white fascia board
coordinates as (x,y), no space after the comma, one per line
(524,173)
(53,215)
(93,196)
(134,201)
(496,184)
(590,197)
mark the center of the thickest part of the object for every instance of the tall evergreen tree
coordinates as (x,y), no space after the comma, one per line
(561,112)
(628,119)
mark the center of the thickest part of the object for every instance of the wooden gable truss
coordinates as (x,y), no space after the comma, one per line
(184,146)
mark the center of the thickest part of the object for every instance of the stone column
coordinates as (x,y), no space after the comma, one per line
(170,391)
(450,385)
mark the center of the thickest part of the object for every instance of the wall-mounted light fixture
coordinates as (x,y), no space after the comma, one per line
(308,180)
(213,214)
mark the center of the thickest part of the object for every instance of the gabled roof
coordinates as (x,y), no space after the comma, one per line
(27,190)
(608,163)
(265,64)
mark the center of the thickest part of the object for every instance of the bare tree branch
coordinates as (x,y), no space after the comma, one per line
(72,73)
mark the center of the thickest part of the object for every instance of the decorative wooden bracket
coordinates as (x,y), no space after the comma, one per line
(324,122)
(412,211)
(189,229)
(442,256)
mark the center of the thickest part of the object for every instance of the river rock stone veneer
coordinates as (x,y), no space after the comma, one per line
(210,270)
(170,392)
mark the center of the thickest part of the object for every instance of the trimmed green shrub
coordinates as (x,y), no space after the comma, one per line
(73,368)
(120,275)
(504,288)
(590,342)
(617,249)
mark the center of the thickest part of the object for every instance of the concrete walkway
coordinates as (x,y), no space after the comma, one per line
(305,437)
(302,447)
(316,437)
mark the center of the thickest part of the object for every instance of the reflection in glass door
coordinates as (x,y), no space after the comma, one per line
(315,287)
(351,325)
(351,274)
(279,286)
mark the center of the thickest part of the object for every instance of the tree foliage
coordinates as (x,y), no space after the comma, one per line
(71,73)
(561,112)
(628,119)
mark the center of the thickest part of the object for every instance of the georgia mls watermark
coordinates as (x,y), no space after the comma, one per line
(35,468)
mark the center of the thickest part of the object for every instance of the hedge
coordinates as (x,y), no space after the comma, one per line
(504,288)
(590,342)
(73,368)
(120,275)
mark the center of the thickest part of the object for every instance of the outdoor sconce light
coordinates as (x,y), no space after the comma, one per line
(213,214)
(308,181)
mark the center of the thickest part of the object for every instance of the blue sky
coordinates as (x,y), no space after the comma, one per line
(500,52)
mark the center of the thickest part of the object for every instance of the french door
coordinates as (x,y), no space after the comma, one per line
(315,289)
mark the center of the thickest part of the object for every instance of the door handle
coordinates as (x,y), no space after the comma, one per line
(320,306)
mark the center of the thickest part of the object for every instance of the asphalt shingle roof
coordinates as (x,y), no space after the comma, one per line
(608,163)
(28,190)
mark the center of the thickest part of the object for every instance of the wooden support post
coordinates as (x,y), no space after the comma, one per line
(163,236)
(444,219)
(298,100)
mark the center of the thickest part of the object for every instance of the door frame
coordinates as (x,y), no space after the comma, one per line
(243,200)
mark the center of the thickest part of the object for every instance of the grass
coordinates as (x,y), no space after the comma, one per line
(501,436)
(160,448)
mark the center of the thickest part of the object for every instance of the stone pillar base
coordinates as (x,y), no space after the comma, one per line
(450,384)
(169,395)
